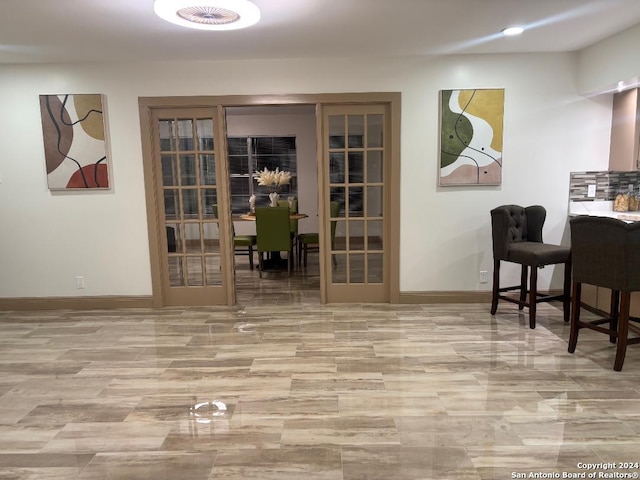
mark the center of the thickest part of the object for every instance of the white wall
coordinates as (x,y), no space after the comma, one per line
(615,59)
(49,239)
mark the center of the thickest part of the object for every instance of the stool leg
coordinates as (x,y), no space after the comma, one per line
(523,287)
(575,316)
(533,296)
(613,314)
(566,301)
(496,286)
(623,330)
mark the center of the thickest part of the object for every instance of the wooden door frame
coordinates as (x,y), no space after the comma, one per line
(146,105)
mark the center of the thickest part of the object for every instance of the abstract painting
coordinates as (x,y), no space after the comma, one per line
(471,123)
(74,141)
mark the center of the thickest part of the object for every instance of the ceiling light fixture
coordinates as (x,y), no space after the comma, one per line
(511,31)
(208,14)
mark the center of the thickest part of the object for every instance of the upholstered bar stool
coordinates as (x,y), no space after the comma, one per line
(606,253)
(517,238)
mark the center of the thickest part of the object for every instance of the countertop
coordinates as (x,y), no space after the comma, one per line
(601,208)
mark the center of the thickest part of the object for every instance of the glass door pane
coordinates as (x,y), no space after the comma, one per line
(188,186)
(355,157)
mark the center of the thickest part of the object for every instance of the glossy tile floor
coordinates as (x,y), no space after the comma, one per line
(281,387)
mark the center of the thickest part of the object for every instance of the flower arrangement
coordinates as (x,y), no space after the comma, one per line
(272,178)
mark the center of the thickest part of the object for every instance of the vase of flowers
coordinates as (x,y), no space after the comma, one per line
(273,179)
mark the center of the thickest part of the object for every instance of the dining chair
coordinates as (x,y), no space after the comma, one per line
(606,253)
(273,231)
(293,208)
(311,241)
(242,244)
(517,238)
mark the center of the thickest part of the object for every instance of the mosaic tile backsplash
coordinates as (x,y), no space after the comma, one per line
(608,184)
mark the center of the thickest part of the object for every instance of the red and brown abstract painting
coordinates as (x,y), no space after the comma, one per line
(74,141)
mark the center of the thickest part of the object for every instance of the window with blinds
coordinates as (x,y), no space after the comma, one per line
(247,155)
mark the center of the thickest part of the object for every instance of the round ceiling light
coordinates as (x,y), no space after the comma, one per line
(512,31)
(208,14)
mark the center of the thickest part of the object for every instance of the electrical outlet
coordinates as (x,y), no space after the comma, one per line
(591,191)
(79,282)
(484,276)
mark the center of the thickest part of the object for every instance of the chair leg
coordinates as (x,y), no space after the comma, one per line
(251,257)
(575,316)
(533,296)
(623,330)
(523,286)
(304,255)
(613,314)
(496,286)
(260,263)
(566,301)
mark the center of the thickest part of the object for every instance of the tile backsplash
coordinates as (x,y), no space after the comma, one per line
(607,184)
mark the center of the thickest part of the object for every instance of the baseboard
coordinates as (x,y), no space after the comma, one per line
(446,297)
(75,303)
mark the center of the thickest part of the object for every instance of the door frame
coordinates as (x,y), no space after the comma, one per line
(392,100)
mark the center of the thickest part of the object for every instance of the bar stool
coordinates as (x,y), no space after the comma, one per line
(606,253)
(517,238)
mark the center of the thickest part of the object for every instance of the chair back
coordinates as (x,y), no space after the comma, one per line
(606,252)
(334,212)
(273,229)
(294,209)
(513,224)
(214,209)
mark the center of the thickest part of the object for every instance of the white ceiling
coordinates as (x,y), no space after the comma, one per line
(36,31)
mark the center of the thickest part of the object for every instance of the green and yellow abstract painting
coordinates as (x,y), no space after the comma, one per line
(471,124)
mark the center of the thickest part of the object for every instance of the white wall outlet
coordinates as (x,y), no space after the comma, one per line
(591,191)
(484,276)
(79,282)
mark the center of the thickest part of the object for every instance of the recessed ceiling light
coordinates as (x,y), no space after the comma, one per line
(208,14)
(511,31)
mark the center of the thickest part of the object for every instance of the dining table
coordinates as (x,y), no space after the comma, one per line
(252,216)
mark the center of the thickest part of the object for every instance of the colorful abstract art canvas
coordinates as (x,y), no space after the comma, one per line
(75,149)
(471,124)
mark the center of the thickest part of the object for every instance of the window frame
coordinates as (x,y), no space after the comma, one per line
(257,161)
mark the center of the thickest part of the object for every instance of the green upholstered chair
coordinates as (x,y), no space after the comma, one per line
(293,223)
(242,244)
(606,253)
(273,231)
(517,238)
(311,241)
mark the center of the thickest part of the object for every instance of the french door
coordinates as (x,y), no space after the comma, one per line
(192,210)
(188,206)
(356,161)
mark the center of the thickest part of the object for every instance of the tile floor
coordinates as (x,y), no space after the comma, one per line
(282,387)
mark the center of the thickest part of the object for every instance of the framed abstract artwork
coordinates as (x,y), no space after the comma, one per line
(75,149)
(471,123)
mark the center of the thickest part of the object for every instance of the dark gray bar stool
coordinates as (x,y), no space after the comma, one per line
(606,253)
(517,238)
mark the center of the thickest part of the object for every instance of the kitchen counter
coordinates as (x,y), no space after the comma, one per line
(601,208)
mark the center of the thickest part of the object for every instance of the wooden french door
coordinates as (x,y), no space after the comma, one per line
(189,172)
(356,162)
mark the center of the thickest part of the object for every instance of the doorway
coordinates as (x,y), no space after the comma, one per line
(359,248)
(274,137)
